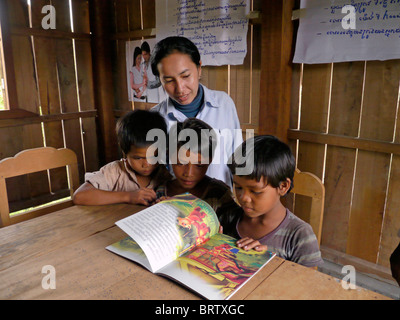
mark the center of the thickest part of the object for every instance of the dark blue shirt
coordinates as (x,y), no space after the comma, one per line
(192,109)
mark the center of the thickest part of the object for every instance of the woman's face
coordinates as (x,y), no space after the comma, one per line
(180,77)
(138,60)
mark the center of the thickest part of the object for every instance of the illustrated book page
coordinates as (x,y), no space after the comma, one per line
(179,238)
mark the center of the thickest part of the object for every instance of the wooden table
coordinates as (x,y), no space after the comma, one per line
(73,241)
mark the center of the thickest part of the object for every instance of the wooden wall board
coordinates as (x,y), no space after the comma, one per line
(368,203)
(381,95)
(101,28)
(120,82)
(315,97)
(85,84)
(134,15)
(25,73)
(149,14)
(255,76)
(372,169)
(390,235)
(46,82)
(276,72)
(241,84)
(28,99)
(90,143)
(217,77)
(339,171)
(358,102)
(80,13)
(346,99)
(47,78)
(313,117)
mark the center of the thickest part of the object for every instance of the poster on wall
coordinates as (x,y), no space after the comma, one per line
(143,85)
(348,30)
(217,27)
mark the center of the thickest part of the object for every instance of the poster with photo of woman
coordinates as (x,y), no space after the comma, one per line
(143,86)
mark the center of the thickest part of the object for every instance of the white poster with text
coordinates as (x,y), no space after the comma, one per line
(348,30)
(218,28)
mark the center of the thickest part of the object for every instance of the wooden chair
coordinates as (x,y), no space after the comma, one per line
(309,185)
(30,161)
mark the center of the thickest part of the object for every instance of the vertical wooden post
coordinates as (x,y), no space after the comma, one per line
(276,68)
(100,17)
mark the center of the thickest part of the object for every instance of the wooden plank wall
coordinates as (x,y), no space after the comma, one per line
(54,81)
(135,20)
(343,125)
(345,128)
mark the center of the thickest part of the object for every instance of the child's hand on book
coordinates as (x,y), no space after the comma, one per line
(249,243)
(161,199)
(144,196)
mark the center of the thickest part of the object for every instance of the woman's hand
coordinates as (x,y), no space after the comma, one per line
(249,243)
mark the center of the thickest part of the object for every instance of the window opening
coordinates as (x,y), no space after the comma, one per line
(3,93)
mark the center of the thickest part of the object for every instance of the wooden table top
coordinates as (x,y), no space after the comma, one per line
(73,241)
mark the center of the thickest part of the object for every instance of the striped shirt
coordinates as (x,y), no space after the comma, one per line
(293,240)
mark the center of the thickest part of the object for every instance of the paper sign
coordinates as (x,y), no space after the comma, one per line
(338,31)
(218,28)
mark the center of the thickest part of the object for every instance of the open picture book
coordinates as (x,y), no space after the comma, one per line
(178,238)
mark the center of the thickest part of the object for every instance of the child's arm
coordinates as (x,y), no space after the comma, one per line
(249,243)
(89,195)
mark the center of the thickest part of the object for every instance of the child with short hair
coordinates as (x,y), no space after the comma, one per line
(265,222)
(195,143)
(131,179)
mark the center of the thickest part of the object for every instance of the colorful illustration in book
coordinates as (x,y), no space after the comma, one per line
(194,221)
(180,240)
(218,263)
(128,244)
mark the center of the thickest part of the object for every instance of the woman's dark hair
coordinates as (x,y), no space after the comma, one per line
(145,47)
(170,45)
(273,160)
(137,52)
(196,135)
(133,127)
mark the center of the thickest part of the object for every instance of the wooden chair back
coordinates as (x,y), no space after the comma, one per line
(31,161)
(309,185)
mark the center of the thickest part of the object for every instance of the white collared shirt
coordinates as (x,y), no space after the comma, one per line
(219,111)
